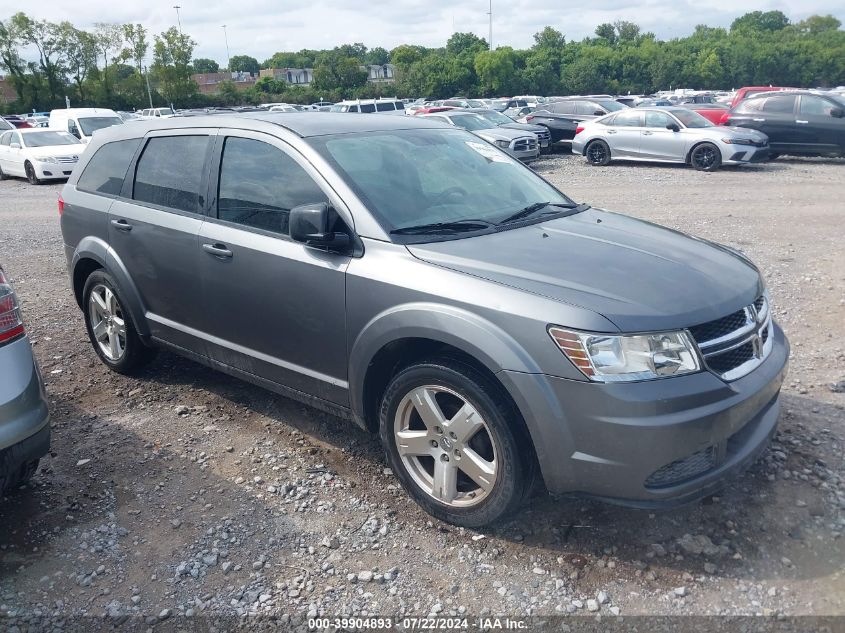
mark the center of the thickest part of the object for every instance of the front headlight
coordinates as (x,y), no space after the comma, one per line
(45,159)
(739,141)
(503,144)
(617,358)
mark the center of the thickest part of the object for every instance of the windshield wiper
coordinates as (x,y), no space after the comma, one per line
(531,209)
(435,227)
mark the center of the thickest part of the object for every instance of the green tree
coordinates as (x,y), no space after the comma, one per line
(48,40)
(465,43)
(245,64)
(171,58)
(81,55)
(377,55)
(760,21)
(205,65)
(496,70)
(335,71)
(135,37)
(606,32)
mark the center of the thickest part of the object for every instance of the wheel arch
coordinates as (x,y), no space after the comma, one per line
(93,253)
(688,160)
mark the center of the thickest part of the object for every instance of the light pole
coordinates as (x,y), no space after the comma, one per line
(228,59)
(149,92)
(179,20)
(490,14)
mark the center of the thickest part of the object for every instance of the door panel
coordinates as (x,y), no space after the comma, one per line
(660,143)
(623,134)
(816,127)
(277,308)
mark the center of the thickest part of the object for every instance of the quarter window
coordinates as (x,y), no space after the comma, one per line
(105,171)
(384,107)
(170,171)
(260,184)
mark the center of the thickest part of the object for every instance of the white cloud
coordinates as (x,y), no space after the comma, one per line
(262,27)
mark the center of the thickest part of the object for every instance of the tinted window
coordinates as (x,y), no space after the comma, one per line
(780,103)
(368,107)
(384,107)
(628,119)
(564,107)
(657,119)
(105,171)
(353,108)
(815,105)
(260,184)
(751,105)
(399,105)
(170,170)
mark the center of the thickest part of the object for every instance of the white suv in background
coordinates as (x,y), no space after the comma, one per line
(382,106)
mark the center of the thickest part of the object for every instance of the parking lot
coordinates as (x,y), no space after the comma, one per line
(187,492)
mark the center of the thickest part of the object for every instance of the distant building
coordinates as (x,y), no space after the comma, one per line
(209,83)
(380,73)
(7,90)
(292,76)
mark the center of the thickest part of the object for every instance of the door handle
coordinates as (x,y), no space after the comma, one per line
(121,225)
(647,133)
(218,250)
(800,121)
(611,131)
(758,120)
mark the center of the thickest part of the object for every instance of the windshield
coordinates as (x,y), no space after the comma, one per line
(46,139)
(416,177)
(91,124)
(471,122)
(496,117)
(690,118)
(611,106)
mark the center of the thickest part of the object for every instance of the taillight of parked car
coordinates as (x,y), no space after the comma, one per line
(61,205)
(529,118)
(725,119)
(11,326)
(579,129)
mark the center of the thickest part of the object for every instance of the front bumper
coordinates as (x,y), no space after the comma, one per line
(651,443)
(24,417)
(50,171)
(526,156)
(741,154)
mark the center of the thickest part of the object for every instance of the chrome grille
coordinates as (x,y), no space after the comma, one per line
(67,160)
(736,344)
(524,144)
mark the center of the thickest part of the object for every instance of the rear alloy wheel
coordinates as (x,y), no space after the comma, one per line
(451,439)
(706,157)
(110,328)
(598,153)
(30,174)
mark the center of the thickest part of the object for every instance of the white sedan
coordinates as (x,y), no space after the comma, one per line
(38,154)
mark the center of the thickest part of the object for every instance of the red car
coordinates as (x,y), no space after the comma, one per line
(747,91)
(713,112)
(16,121)
(433,109)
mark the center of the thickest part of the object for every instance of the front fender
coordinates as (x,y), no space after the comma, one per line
(473,335)
(97,249)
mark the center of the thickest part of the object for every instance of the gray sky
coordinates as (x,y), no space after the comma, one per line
(262,27)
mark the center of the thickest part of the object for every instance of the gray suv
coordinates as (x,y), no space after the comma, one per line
(426,285)
(24,417)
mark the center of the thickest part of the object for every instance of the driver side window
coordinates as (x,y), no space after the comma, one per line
(260,184)
(815,106)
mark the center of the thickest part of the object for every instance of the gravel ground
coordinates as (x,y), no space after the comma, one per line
(184,492)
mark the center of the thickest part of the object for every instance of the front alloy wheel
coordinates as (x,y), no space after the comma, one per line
(706,157)
(456,442)
(445,446)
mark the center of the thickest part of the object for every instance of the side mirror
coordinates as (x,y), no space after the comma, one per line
(15,145)
(674,127)
(837,113)
(75,131)
(309,224)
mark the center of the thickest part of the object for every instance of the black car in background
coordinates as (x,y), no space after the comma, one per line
(796,121)
(562,117)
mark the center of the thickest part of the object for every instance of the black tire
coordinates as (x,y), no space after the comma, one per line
(134,353)
(598,153)
(705,157)
(18,477)
(30,174)
(3,176)
(514,457)
(774,155)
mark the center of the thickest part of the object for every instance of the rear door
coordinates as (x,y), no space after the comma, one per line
(778,115)
(153,232)
(659,142)
(623,133)
(277,308)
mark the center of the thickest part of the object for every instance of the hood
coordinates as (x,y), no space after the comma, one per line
(499,134)
(523,127)
(743,132)
(640,276)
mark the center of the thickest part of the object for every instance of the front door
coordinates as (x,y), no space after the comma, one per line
(154,233)
(816,125)
(277,308)
(658,141)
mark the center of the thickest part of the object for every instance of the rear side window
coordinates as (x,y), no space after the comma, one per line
(564,107)
(751,105)
(260,184)
(632,118)
(105,171)
(384,107)
(780,103)
(170,171)
(368,107)
(353,108)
